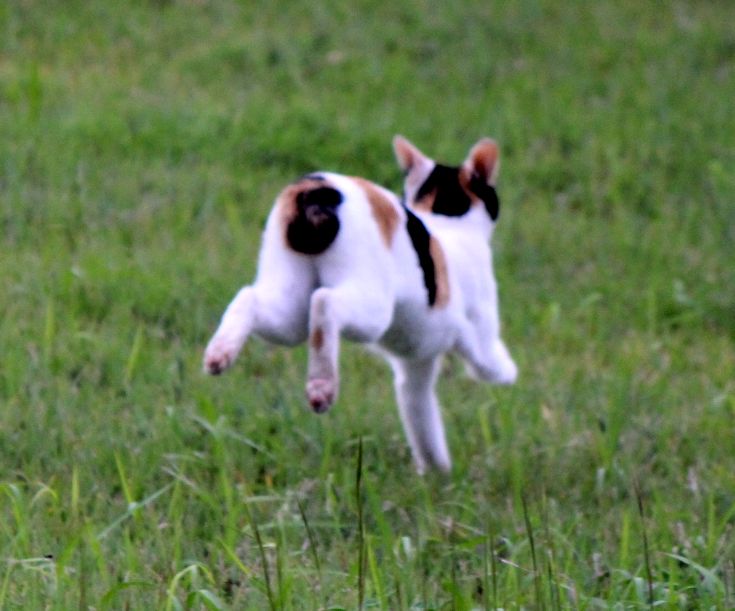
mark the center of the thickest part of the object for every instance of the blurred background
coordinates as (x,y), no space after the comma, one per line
(141,146)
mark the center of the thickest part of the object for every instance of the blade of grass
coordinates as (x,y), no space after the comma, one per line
(551,559)
(49,331)
(127,492)
(134,355)
(74,494)
(486,568)
(540,603)
(314,552)
(210,599)
(108,600)
(360,528)
(132,509)
(5,584)
(644,533)
(171,599)
(493,567)
(375,574)
(708,577)
(263,557)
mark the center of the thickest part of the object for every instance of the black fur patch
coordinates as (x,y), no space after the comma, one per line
(420,238)
(450,199)
(487,194)
(316,223)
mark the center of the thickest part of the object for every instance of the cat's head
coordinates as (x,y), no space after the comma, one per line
(450,190)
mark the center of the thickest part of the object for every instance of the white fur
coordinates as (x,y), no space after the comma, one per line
(366,292)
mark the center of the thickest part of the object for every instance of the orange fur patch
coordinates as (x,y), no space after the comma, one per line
(317,339)
(426,203)
(384,212)
(483,160)
(441,273)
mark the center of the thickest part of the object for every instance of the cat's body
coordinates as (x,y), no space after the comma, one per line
(342,257)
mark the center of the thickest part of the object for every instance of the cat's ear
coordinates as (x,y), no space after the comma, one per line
(483,160)
(408,156)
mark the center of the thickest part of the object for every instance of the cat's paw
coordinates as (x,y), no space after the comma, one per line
(321,394)
(218,357)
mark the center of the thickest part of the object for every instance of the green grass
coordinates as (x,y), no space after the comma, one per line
(141,145)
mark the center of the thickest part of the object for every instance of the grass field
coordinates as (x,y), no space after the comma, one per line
(141,145)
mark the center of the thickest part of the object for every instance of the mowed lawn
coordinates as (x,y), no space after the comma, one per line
(141,145)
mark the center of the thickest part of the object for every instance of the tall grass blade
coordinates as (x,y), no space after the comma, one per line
(49,331)
(494,567)
(455,582)
(74,494)
(375,574)
(314,551)
(191,571)
(234,557)
(5,585)
(534,560)
(106,602)
(646,552)
(486,568)
(708,577)
(360,528)
(134,355)
(210,599)
(132,509)
(127,492)
(83,576)
(555,591)
(263,556)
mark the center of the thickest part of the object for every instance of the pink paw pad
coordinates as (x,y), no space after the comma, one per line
(321,394)
(216,361)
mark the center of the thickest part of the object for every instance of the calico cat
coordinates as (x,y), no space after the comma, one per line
(344,257)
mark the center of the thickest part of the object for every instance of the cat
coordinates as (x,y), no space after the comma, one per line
(344,257)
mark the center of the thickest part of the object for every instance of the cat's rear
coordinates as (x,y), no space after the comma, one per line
(309,213)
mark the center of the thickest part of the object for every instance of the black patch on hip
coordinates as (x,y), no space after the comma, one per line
(316,223)
(420,238)
(450,199)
